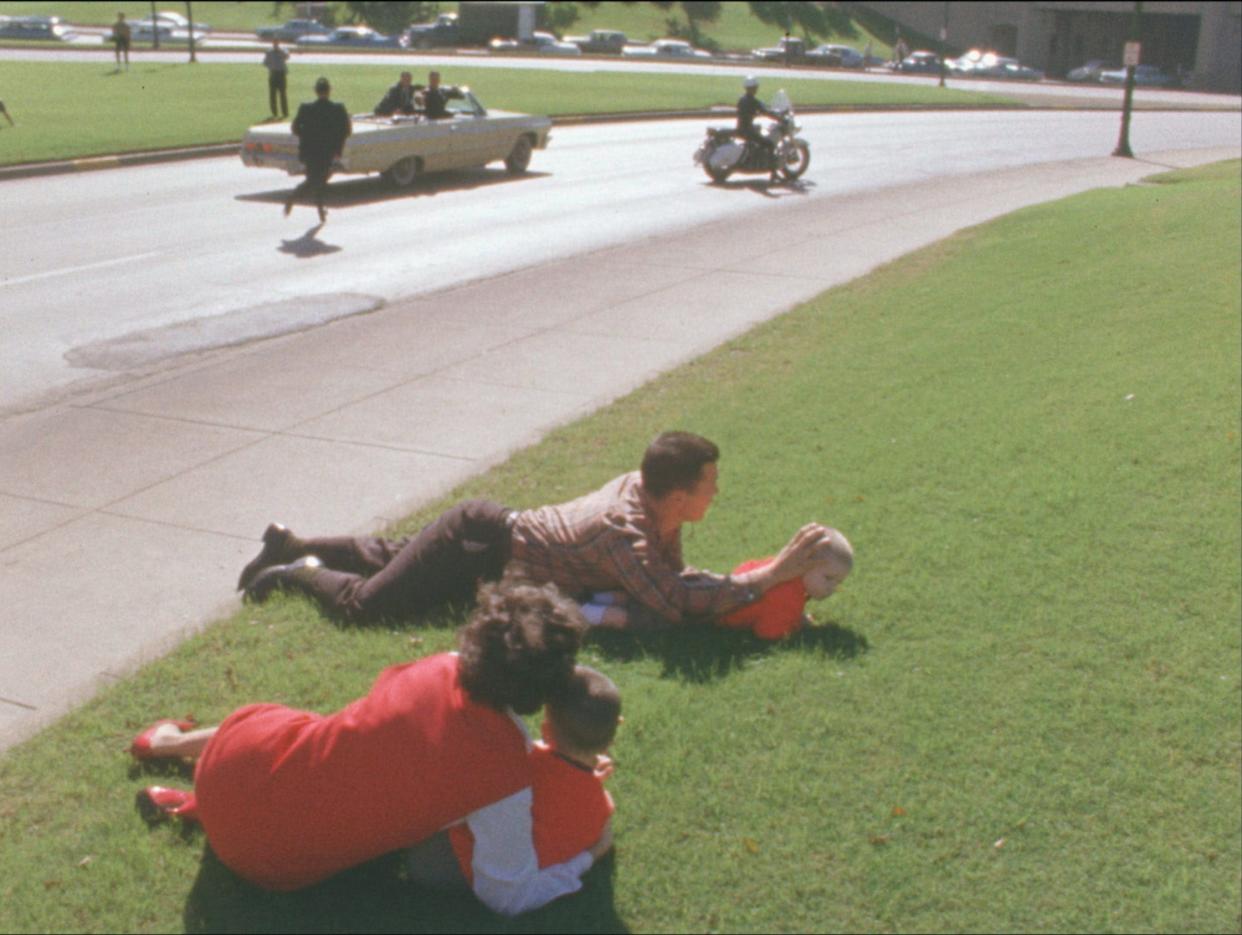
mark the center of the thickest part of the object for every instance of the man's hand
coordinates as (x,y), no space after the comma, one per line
(794,561)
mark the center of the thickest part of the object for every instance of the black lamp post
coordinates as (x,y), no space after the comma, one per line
(189,15)
(1123,141)
(944,38)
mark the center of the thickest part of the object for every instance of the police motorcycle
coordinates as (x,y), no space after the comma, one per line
(787,155)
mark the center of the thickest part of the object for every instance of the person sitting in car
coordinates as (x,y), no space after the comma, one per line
(436,98)
(400,97)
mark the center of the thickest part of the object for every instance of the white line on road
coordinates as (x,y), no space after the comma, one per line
(68,271)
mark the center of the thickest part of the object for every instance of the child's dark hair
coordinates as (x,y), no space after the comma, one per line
(586,713)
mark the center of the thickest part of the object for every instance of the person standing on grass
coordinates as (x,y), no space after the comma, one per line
(121,36)
(288,798)
(322,127)
(276,61)
(626,536)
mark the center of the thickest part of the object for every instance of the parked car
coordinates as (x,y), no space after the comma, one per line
(1089,71)
(443,32)
(920,63)
(177,21)
(542,43)
(1144,75)
(665,48)
(293,30)
(600,42)
(789,49)
(402,148)
(38,28)
(835,56)
(145,30)
(358,37)
(980,64)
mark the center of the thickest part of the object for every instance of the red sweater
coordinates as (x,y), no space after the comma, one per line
(777,614)
(288,797)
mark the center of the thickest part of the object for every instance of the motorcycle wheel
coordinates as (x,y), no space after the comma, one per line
(716,174)
(796,162)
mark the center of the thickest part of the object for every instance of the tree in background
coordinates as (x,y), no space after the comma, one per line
(813,19)
(557,17)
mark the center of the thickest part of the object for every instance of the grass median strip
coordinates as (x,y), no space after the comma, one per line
(1020,713)
(73,109)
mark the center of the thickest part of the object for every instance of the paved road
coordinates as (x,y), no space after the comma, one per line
(107,273)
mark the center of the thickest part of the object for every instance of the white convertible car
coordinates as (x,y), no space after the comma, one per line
(404,147)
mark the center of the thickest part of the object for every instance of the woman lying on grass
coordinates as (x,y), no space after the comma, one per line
(288,798)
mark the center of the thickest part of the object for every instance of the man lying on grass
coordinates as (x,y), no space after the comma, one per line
(626,537)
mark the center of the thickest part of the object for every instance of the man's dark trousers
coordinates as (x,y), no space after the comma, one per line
(367,578)
(276,82)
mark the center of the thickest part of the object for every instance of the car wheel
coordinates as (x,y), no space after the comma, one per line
(403,172)
(796,161)
(519,157)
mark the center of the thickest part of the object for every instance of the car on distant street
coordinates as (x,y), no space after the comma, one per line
(541,43)
(441,33)
(1089,71)
(665,48)
(293,30)
(177,21)
(789,50)
(356,37)
(600,42)
(832,55)
(145,31)
(981,64)
(919,63)
(36,28)
(1144,76)
(402,148)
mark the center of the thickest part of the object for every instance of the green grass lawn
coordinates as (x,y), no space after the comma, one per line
(1021,713)
(73,109)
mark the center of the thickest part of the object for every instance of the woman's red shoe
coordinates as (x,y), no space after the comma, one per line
(158,802)
(140,749)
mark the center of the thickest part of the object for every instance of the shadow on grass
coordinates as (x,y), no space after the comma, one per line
(376,898)
(374,190)
(705,653)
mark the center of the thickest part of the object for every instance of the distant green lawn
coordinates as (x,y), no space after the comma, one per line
(73,109)
(736,28)
(1020,714)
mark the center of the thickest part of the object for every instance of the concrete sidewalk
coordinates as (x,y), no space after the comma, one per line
(126,512)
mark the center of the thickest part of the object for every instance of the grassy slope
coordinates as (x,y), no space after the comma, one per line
(72,109)
(1022,714)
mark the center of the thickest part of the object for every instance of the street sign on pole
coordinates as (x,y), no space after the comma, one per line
(1130,57)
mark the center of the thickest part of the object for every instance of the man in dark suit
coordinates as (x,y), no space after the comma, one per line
(321,127)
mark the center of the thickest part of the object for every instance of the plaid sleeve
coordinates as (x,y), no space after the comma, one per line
(671,593)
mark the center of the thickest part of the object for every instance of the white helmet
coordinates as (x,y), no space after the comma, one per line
(750,82)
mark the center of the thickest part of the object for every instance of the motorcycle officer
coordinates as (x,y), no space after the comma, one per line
(748,105)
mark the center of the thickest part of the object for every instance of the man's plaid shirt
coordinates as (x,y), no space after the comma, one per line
(608,541)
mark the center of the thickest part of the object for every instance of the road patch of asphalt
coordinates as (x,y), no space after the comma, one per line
(268,320)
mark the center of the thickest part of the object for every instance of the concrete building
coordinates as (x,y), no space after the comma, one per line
(1202,40)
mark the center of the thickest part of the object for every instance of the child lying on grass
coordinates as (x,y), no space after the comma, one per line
(779,613)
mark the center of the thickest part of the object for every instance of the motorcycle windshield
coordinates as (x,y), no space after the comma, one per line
(780,102)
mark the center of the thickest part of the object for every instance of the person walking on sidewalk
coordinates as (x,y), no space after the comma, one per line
(276,61)
(121,35)
(322,127)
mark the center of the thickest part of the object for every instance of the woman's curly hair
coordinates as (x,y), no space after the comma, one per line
(519,648)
